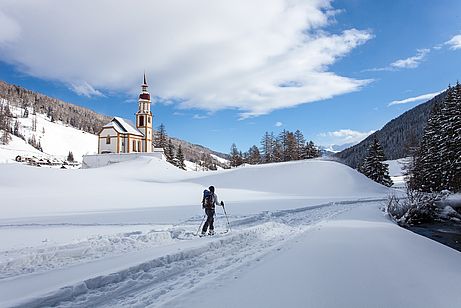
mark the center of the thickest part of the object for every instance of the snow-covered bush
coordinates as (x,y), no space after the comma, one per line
(417,208)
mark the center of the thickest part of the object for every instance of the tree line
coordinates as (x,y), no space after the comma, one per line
(434,170)
(287,146)
(437,161)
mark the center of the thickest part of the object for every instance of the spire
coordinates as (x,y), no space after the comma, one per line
(144,94)
(145,82)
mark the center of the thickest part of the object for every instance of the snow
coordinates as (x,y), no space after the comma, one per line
(306,233)
(128,126)
(220,159)
(56,139)
(358,259)
(16,147)
(397,171)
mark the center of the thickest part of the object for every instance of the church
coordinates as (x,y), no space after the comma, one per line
(122,136)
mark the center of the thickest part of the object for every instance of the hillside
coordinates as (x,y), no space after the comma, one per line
(62,127)
(56,139)
(396,137)
(78,117)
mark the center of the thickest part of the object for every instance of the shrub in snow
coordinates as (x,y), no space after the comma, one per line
(450,214)
(417,208)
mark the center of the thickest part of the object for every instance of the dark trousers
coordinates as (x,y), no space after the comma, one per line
(209,220)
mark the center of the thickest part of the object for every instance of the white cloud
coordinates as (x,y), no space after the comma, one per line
(255,56)
(343,136)
(278,124)
(85,89)
(415,99)
(411,62)
(199,117)
(9,29)
(455,42)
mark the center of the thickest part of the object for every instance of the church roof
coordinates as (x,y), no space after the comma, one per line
(123,126)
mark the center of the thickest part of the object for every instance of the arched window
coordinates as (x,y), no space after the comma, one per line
(134,145)
(139,146)
(141,120)
(108,139)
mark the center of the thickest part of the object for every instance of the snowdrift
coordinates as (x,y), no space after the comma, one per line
(151,183)
(308,178)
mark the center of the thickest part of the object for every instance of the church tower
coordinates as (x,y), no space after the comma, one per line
(144,118)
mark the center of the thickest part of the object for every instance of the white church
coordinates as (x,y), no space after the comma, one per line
(121,140)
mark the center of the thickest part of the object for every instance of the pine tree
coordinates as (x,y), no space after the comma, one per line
(427,171)
(278,151)
(179,159)
(267,148)
(310,150)
(451,150)
(300,142)
(70,157)
(373,166)
(235,156)
(169,153)
(437,163)
(254,157)
(16,128)
(5,138)
(160,140)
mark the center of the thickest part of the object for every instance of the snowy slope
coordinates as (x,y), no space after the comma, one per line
(16,147)
(150,182)
(56,139)
(397,171)
(123,235)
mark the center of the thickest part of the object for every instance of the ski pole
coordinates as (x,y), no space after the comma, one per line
(199,227)
(225,214)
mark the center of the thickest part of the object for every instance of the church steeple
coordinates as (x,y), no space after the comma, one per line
(144,84)
(144,116)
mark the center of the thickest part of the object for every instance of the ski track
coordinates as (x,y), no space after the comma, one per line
(157,281)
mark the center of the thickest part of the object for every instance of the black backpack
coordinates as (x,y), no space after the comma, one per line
(207,201)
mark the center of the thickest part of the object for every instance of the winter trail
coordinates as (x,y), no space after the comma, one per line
(158,280)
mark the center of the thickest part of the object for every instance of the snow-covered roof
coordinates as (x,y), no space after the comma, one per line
(123,126)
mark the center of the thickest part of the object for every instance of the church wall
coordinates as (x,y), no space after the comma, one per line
(101,160)
(103,145)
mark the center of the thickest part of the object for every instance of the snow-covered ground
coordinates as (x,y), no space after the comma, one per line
(397,171)
(306,233)
(55,138)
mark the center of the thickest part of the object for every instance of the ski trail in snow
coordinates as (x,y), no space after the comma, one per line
(157,281)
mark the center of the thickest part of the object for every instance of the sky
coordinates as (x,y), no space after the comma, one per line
(223,72)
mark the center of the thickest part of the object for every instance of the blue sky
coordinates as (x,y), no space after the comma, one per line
(225,72)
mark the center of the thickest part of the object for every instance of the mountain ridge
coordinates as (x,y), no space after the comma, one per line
(397,136)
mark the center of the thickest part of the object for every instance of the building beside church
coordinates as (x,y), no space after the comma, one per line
(122,136)
(121,140)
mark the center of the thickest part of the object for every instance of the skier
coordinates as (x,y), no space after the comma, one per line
(210,199)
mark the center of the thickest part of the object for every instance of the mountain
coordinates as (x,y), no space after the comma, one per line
(334,148)
(396,137)
(58,127)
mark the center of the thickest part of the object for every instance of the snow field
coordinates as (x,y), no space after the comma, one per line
(157,280)
(306,233)
(358,258)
